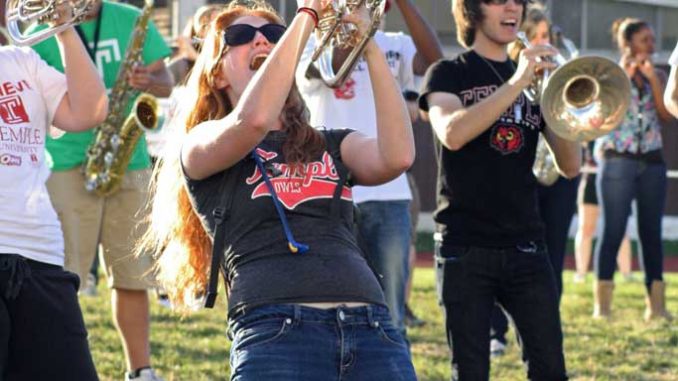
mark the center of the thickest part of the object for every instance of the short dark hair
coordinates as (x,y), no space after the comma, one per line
(467,15)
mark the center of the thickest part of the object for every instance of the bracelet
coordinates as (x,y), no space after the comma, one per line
(311,12)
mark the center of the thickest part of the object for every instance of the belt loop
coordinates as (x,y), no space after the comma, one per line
(370,315)
(297,314)
(229,329)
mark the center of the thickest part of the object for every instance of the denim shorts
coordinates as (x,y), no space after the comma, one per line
(293,342)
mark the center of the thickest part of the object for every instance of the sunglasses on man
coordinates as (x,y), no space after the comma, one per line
(241,34)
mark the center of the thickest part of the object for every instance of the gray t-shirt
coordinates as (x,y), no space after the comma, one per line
(260,267)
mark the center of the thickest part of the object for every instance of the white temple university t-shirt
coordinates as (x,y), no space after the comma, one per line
(30,92)
(673,61)
(352,105)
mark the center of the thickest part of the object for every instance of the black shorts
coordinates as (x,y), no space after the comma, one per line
(590,196)
(42,333)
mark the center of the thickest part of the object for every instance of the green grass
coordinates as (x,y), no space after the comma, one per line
(196,347)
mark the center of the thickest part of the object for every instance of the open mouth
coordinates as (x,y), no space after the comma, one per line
(257,61)
(512,23)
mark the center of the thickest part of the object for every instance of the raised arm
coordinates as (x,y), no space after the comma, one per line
(85,104)
(671,93)
(378,160)
(657,80)
(425,39)
(456,125)
(567,154)
(216,145)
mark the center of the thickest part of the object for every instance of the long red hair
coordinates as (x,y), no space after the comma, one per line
(176,236)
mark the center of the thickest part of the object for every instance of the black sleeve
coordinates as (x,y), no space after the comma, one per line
(333,138)
(442,76)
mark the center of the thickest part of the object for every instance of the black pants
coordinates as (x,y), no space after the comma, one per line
(471,279)
(42,333)
(557,205)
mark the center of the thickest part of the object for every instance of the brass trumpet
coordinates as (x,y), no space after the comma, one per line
(5,40)
(335,34)
(21,15)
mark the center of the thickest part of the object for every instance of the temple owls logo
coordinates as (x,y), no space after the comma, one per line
(507,139)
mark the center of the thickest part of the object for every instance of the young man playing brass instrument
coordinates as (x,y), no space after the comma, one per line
(490,240)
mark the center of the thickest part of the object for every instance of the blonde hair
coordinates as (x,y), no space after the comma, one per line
(536,14)
(177,236)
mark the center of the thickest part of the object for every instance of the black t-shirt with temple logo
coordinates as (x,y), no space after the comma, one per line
(260,266)
(486,190)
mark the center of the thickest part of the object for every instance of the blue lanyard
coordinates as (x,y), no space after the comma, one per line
(294,246)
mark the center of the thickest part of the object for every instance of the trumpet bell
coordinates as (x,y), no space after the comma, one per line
(585,98)
(333,33)
(22,15)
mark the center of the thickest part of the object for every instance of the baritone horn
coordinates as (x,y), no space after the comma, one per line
(333,33)
(4,37)
(23,15)
(583,98)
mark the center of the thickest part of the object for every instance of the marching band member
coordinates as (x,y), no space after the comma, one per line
(42,333)
(384,224)
(297,282)
(490,240)
(90,221)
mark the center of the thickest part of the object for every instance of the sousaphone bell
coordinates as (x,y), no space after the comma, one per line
(582,99)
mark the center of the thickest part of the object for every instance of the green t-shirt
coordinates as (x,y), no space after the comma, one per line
(117,21)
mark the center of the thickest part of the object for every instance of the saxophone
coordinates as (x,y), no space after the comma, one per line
(544,167)
(110,152)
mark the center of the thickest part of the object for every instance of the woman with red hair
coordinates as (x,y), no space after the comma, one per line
(302,311)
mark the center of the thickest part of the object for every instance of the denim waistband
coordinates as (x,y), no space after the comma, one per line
(370,314)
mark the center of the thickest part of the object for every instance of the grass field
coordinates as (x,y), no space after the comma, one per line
(196,347)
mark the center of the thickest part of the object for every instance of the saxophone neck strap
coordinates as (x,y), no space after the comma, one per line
(97,33)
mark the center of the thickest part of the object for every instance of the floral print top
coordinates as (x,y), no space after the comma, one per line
(640,131)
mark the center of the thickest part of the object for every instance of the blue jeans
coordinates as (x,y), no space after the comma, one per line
(557,204)
(293,342)
(471,279)
(622,180)
(385,234)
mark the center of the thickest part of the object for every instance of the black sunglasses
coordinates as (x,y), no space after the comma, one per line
(502,2)
(241,34)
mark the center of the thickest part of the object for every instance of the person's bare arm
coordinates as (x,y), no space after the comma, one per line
(375,161)
(566,153)
(671,93)
(85,104)
(424,37)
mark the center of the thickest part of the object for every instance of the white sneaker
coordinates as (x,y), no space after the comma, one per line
(146,374)
(497,348)
(579,278)
(90,287)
